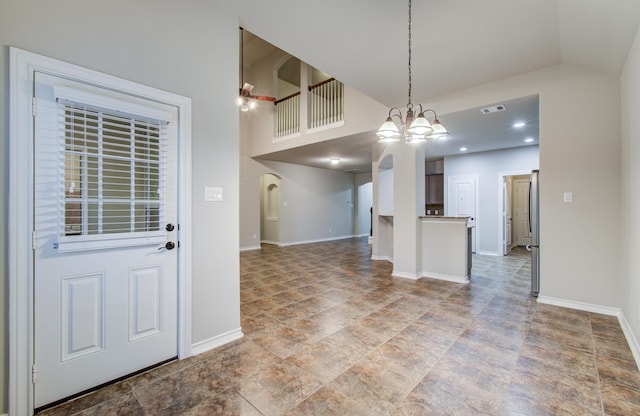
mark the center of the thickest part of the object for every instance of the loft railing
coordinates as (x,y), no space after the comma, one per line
(325,107)
(326,103)
(288,115)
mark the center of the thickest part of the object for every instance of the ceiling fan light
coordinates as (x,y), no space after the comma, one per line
(246,89)
(388,132)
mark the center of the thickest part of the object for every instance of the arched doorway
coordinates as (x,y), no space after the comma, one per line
(270,208)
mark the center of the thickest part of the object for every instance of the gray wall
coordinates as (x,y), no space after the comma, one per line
(630,201)
(317,204)
(174,46)
(364,191)
(575,156)
(488,165)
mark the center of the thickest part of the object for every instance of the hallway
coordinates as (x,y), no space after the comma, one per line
(328,332)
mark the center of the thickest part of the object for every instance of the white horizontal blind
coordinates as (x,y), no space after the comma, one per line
(113,173)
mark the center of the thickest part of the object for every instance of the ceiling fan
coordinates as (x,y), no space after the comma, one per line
(246,100)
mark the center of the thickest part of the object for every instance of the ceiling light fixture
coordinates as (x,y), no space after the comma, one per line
(414,130)
(246,104)
(519,124)
(246,101)
(335,160)
(463,149)
(528,139)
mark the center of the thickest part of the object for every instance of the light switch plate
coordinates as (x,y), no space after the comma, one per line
(213,194)
(568,197)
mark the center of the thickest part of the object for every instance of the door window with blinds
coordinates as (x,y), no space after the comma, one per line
(112,176)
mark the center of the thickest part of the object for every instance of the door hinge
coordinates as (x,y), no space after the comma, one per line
(34,106)
(33,374)
(34,239)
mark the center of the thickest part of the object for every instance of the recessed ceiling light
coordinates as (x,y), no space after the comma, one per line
(528,139)
(335,160)
(519,124)
(463,149)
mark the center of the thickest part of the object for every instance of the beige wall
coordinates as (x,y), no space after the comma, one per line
(630,194)
(317,204)
(579,244)
(361,112)
(174,46)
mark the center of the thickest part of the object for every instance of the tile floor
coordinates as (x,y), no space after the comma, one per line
(329,332)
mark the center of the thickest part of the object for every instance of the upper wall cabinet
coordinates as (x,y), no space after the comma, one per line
(434,192)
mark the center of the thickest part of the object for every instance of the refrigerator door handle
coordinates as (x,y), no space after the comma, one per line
(530,230)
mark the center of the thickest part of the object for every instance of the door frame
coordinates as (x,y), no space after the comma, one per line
(501,177)
(20,253)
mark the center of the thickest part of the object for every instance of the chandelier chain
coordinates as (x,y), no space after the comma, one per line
(409,105)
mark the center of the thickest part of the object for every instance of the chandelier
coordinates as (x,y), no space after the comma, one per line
(414,130)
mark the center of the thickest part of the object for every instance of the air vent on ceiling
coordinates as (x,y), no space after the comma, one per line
(493,109)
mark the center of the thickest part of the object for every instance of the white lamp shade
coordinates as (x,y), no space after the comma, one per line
(438,129)
(420,126)
(388,132)
(416,138)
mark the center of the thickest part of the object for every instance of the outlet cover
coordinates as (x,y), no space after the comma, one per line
(213,194)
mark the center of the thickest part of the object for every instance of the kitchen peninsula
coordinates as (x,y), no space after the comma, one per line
(446,247)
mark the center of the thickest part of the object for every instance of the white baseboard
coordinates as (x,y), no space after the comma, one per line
(215,342)
(386,258)
(319,240)
(631,339)
(581,306)
(248,248)
(447,277)
(412,276)
(488,253)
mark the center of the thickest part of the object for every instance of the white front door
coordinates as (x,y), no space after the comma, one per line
(105,281)
(521,211)
(462,201)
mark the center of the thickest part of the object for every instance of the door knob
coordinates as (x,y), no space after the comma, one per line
(169,245)
(169,227)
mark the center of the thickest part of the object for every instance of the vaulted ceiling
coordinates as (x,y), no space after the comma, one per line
(456,44)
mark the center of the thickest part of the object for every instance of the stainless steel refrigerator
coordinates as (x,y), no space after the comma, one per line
(534,228)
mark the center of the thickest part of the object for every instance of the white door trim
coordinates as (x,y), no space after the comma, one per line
(501,176)
(20,253)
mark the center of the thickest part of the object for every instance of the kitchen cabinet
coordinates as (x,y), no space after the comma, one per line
(434,189)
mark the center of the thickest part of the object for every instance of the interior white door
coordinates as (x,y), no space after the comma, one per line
(105,285)
(521,211)
(462,201)
(506,216)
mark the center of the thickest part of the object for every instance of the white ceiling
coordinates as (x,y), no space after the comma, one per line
(471,128)
(456,44)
